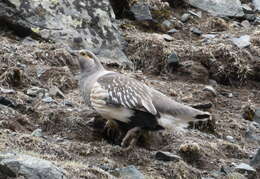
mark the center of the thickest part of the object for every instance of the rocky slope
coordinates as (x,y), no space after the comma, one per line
(208,62)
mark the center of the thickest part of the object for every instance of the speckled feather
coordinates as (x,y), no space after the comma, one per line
(127,92)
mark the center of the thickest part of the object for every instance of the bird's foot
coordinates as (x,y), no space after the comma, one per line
(131,138)
(112,130)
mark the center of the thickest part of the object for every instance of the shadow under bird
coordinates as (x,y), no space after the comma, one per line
(121,99)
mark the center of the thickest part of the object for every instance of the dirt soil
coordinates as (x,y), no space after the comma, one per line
(84,152)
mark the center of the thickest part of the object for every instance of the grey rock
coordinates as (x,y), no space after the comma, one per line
(230,138)
(247,8)
(255,162)
(166,156)
(7,91)
(210,89)
(37,133)
(35,91)
(196,31)
(257,115)
(167,37)
(257,21)
(129,172)
(185,17)
(172,31)
(7,102)
(15,164)
(250,17)
(209,36)
(167,24)
(141,11)
(197,14)
(111,54)
(55,91)
(202,105)
(246,24)
(242,42)
(73,24)
(246,169)
(213,83)
(252,132)
(231,8)
(47,99)
(173,59)
(256,4)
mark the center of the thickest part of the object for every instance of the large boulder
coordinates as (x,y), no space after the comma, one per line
(19,165)
(76,24)
(218,7)
(257,4)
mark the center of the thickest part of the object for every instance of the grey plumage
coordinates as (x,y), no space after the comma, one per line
(117,97)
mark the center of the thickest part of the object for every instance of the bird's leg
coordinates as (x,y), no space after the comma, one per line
(131,137)
(111,130)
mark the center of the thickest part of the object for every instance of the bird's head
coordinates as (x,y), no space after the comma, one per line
(88,61)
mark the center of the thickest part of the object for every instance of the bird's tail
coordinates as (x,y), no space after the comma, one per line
(174,114)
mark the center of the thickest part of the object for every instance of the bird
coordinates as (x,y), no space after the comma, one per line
(121,99)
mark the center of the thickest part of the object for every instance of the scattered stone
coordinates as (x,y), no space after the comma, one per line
(15,164)
(167,156)
(196,31)
(167,37)
(209,36)
(250,17)
(256,4)
(47,99)
(231,8)
(185,17)
(247,8)
(213,83)
(55,91)
(41,70)
(257,115)
(172,31)
(7,91)
(210,89)
(167,24)
(225,170)
(230,95)
(230,138)
(35,91)
(37,133)
(67,103)
(7,102)
(141,12)
(257,21)
(129,172)
(255,162)
(173,59)
(202,106)
(246,24)
(197,14)
(242,42)
(246,169)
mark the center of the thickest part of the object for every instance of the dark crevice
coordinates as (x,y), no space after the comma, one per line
(17,29)
(121,8)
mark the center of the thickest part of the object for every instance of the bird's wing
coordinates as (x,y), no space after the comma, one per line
(119,90)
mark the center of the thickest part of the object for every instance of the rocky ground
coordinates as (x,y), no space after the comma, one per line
(193,58)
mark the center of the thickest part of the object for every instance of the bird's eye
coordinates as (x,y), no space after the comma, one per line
(82,53)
